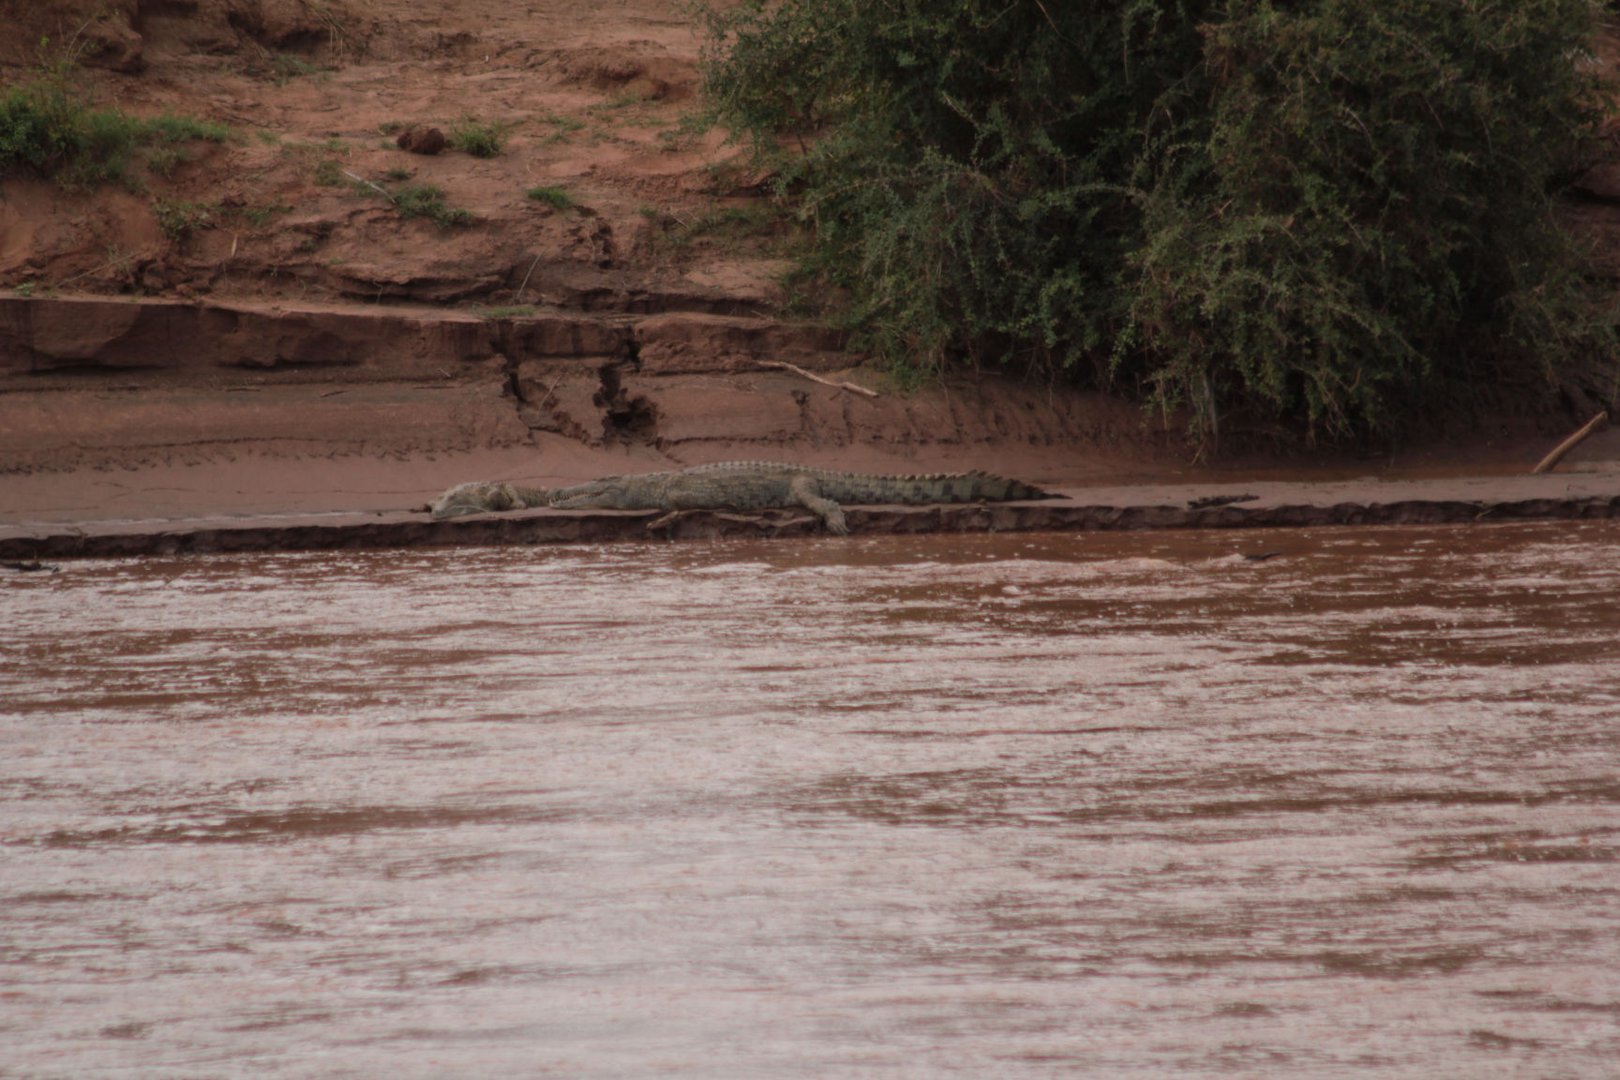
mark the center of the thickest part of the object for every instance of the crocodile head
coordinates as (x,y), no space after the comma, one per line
(606,494)
(475,498)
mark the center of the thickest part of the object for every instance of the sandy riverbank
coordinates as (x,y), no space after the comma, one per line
(301,355)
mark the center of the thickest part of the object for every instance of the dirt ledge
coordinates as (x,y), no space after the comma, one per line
(350,532)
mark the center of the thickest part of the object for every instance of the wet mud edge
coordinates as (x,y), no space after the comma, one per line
(569,527)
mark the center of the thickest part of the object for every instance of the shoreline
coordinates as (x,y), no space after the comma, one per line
(158,428)
(1480,500)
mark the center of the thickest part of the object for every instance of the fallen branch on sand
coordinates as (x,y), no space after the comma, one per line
(1570,443)
(378,188)
(518,296)
(797,370)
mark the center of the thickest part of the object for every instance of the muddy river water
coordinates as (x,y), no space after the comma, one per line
(1102,805)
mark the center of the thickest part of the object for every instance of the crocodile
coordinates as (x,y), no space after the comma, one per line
(739,485)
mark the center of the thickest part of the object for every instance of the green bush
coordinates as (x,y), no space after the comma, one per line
(1297,216)
(45,128)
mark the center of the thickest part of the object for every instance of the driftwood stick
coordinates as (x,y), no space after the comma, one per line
(1570,443)
(797,370)
(378,188)
(550,390)
(517,297)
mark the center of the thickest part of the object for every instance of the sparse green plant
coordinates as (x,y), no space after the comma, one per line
(260,216)
(516,311)
(24,288)
(120,264)
(757,223)
(625,111)
(905,378)
(554,197)
(329,173)
(178,220)
(653,121)
(622,100)
(171,128)
(698,121)
(688,129)
(427,200)
(390,127)
(477,137)
(285,67)
(165,159)
(397,173)
(337,34)
(561,126)
(268,137)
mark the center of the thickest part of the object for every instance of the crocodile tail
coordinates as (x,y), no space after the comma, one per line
(933,488)
(992,488)
(988,487)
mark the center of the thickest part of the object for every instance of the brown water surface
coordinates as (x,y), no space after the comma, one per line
(1107,805)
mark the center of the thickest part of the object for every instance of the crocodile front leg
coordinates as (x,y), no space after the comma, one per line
(803,488)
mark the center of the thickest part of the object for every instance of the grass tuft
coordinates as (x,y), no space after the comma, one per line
(171,128)
(285,67)
(476,137)
(561,126)
(328,173)
(554,197)
(179,220)
(427,200)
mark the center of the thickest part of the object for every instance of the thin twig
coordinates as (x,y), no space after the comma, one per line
(785,366)
(517,296)
(1061,36)
(378,188)
(1570,443)
(550,390)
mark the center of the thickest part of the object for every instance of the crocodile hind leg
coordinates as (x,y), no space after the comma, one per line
(830,513)
(665,521)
